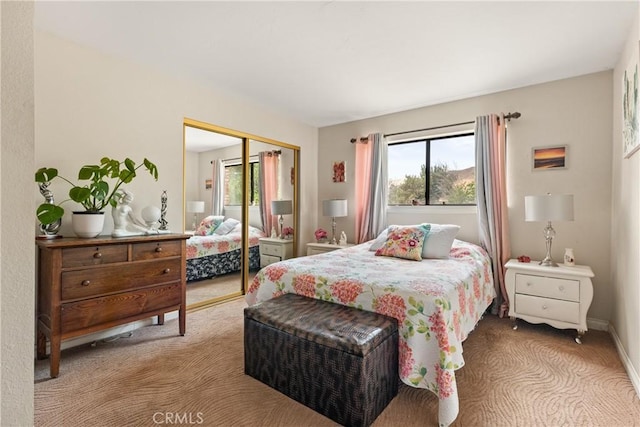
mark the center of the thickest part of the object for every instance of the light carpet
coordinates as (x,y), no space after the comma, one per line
(534,376)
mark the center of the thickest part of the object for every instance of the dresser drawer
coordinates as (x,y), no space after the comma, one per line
(87,313)
(547,308)
(153,250)
(563,289)
(97,281)
(269,249)
(93,255)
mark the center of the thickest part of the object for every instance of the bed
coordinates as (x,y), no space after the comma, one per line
(214,255)
(437,303)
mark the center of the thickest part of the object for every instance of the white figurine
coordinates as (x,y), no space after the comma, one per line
(124,222)
(343,239)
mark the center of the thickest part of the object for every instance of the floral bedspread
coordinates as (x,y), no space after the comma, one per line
(201,246)
(437,303)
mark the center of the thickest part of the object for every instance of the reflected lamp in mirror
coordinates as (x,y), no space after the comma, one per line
(195,207)
(334,208)
(547,208)
(281,207)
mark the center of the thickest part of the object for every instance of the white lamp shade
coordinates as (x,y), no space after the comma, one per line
(550,207)
(334,207)
(195,206)
(281,207)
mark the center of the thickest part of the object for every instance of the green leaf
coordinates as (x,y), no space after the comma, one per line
(412,312)
(126,176)
(423,371)
(46,174)
(130,164)
(48,213)
(79,194)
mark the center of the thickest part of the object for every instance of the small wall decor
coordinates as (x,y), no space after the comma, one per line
(545,158)
(339,171)
(630,107)
(208,184)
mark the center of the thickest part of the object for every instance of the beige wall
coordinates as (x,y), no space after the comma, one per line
(16,214)
(576,112)
(90,105)
(624,286)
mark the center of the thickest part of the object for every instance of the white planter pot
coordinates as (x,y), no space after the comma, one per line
(87,224)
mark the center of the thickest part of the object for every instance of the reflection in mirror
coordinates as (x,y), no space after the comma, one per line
(217,163)
(213,212)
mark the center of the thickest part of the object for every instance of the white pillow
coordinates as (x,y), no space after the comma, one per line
(437,243)
(226,226)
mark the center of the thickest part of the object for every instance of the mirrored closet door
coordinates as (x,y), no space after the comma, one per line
(230,176)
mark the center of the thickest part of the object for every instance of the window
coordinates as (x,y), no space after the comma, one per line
(233,184)
(451,178)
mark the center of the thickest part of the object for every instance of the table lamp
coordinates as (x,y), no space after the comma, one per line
(334,208)
(281,207)
(195,207)
(550,207)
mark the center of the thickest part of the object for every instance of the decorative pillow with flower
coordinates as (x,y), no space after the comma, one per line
(404,242)
(208,225)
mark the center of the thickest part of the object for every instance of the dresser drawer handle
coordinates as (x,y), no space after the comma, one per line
(86,282)
(167,271)
(544,307)
(97,255)
(561,288)
(158,249)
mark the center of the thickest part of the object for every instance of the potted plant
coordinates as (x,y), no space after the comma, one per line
(104,181)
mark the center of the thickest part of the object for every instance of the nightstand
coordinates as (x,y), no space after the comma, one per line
(558,296)
(320,248)
(274,250)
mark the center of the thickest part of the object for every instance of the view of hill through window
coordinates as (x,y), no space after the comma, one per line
(451,179)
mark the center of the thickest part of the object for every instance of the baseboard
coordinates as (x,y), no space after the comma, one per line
(597,324)
(111,332)
(626,362)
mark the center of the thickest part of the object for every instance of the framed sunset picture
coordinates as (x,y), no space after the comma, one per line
(546,158)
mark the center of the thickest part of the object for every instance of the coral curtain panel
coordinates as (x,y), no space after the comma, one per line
(371,187)
(493,220)
(268,187)
(217,193)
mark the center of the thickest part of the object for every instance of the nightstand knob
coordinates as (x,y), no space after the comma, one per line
(159,249)
(544,307)
(528,283)
(167,271)
(561,288)
(97,255)
(86,282)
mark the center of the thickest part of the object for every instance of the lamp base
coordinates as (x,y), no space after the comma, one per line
(548,262)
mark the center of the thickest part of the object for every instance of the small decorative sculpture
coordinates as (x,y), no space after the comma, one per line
(49,231)
(124,222)
(163,211)
(343,239)
(274,234)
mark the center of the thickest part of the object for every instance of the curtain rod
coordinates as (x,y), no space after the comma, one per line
(507,117)
(277,152)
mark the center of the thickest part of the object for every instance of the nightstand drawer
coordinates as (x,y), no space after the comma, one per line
(267,259)
(546,308)
(551,287)
(269,249)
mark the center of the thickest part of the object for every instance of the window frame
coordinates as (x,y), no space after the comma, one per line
(427,141)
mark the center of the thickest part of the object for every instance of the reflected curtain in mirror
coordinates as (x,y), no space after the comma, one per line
(217,193)
(269,165)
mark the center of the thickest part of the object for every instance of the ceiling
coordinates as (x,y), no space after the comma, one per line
(331,62)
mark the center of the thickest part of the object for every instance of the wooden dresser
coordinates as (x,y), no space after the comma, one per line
(87,285)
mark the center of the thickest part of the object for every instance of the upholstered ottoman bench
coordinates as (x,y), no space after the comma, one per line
(339,361)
